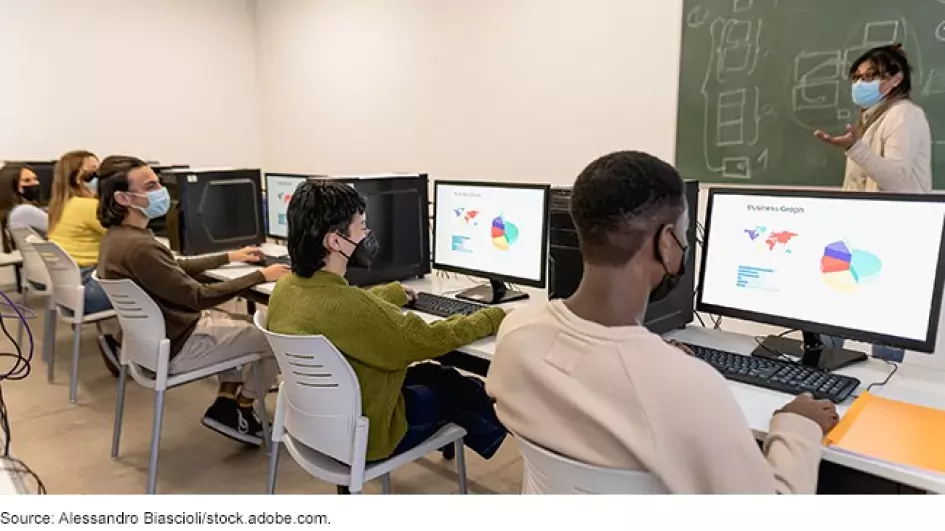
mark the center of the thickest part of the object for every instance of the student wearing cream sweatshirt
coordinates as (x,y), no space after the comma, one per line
(890,147)
(585,379)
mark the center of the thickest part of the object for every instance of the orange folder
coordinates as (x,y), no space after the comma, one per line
(893,431)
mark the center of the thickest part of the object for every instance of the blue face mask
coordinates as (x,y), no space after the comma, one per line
(159,201)
(866,93)
(92,185)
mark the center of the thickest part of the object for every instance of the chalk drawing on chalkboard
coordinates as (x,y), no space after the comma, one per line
(697,17)
(940,31)
(730,127)
(739,6)
(736,168)
(881,33)
(817,66)
(935,83)
(844,115)
(815,96)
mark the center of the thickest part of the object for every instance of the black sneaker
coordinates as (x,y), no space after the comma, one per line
(111,352)
(226,417)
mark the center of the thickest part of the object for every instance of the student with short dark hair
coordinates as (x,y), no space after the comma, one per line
(200,336)
(19,193)
(584,378)
(406,402)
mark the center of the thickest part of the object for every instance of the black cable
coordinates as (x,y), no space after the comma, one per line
(895,367)
(781,356)
(20,370)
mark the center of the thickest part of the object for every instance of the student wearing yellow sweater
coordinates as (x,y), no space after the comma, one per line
(74,226)
(405,402)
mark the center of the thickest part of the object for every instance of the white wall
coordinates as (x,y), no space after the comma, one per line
(88,75)
(516,90)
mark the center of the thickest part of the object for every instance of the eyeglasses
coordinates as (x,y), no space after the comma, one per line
(869,75)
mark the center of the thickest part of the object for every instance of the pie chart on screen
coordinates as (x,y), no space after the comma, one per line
(846,269)
(504,233)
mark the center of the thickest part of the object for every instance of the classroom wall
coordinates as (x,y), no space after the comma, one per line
(168,80)
(524,90)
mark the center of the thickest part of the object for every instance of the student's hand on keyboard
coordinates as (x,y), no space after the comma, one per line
(823,412)
(411,293)
(250,255)
(275,272)
(681,346)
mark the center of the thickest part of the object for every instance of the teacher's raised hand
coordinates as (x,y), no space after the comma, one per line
(845,141)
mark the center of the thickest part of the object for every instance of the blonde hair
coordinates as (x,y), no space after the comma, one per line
(67,176)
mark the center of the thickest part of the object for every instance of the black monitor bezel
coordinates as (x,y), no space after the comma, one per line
(927,346)
(485,274)
(266,175)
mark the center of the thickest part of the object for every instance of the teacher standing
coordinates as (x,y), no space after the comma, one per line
(890,147)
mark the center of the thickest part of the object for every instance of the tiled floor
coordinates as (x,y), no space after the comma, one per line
(68,445)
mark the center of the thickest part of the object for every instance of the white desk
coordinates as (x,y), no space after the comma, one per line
(913,384)
(10,259)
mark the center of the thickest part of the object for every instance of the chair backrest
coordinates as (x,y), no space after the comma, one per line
(547,472)
(142,323)
(34,269)
(323,396)
(66,280)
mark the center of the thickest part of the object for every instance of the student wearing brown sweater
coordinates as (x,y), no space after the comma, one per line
(406,402)
(131,195)
(583,377)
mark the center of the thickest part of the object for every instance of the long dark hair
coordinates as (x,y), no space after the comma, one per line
(113,177)
(10,196)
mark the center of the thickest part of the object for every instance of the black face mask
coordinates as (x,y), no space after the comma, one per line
(30,193)
(670,280)
(364,251)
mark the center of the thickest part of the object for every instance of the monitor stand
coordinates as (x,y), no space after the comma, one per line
(811,351)
(495,293)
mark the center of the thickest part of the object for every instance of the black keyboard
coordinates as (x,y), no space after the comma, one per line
(781,376)
(443,306)
(268,260)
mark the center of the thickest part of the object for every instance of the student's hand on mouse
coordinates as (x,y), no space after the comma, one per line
(823,412)
(681,346)
(246,254)
(844,141)
(275,272)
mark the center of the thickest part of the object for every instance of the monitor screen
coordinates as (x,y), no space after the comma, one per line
(856,265)
(279,190)
(495,231)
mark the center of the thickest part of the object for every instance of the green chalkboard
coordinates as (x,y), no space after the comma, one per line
(759,76)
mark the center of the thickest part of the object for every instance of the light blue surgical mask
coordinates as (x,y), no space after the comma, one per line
(159,201)
(866,93)
(92,185)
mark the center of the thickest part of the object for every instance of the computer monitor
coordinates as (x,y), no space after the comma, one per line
(494,231)
(397,215)
(279,190)
(858,265)
(214,210)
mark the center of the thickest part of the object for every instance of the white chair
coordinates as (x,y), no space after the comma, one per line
(318,417)
(35,280)
(68,294)
(145,351)
(547,472)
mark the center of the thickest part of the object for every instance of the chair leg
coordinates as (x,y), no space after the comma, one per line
(461,466)
(119,410)
(19,326)
(74,378)
(51,349)
(49,335)
(273,468)
(385,484)
(341,489)
(261,406)
(155,441)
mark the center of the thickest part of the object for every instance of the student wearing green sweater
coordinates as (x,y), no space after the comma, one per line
(405,401)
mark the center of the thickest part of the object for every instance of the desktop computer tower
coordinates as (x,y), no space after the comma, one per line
(397,213)
(159,225)
(214,210)
(567,265)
